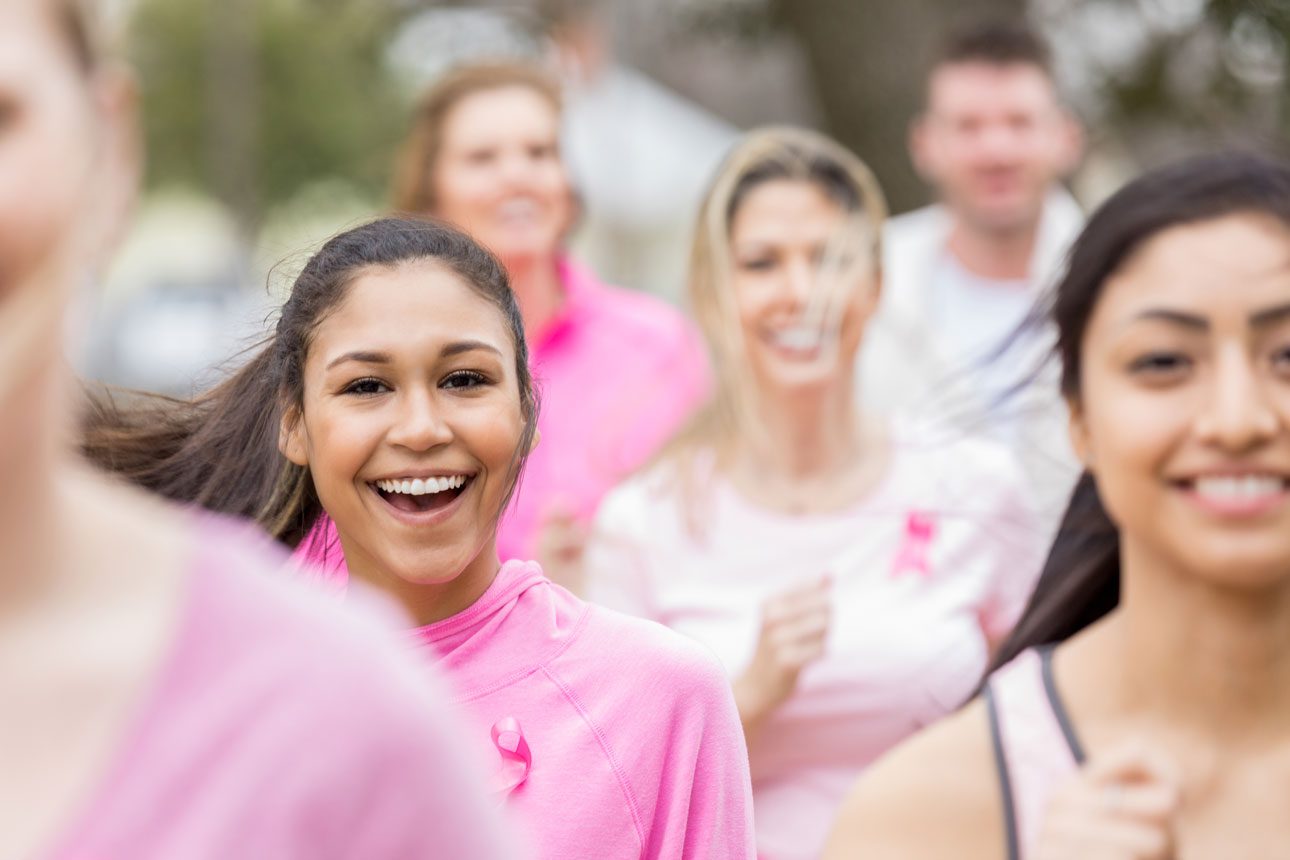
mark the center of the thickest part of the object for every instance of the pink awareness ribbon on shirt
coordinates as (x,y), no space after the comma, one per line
(517,759)
(912,555)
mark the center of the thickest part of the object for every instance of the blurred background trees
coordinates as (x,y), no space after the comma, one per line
(272,123)
(253,100)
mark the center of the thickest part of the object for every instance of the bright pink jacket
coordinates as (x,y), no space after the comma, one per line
(619,372)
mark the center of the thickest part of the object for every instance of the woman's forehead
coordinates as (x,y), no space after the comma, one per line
(410,305)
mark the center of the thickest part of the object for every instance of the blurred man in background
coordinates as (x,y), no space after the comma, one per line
(994,141)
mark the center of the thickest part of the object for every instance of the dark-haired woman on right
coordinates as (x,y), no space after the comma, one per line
(1142,707)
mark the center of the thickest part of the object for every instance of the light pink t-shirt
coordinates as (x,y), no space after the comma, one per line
(936,560)
(618,372)
(610,736)
(281,726)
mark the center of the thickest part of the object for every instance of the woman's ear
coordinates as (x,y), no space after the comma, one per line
(1081,442)
(533,443)
(292,437)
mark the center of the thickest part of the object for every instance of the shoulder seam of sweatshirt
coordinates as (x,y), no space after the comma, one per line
(623,783)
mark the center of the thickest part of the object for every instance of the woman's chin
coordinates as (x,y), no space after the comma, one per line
(523,249)
(436,566)
(791,377)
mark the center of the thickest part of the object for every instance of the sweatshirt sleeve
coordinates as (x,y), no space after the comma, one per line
(703,806)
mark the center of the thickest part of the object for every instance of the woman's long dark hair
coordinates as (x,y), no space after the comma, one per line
(220,449)
(1080,582)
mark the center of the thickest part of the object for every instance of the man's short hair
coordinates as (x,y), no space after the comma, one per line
(999,43)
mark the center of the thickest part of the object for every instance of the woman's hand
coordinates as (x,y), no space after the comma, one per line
(1122,806)
(794,630)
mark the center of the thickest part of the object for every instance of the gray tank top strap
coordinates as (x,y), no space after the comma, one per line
(1005,780)
(1059,707)
(1033,742)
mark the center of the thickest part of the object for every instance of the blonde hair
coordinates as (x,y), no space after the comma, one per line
(766,155)
(412,190)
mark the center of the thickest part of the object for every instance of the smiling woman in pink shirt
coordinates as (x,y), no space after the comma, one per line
(852,576)
(166,692)
(618,371)
(395,394)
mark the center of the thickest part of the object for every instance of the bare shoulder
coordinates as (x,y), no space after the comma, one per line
(936,795)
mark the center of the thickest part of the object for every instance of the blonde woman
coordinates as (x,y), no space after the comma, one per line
(852,578)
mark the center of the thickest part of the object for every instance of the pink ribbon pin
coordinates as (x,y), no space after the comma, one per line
(517,759)
(912,556)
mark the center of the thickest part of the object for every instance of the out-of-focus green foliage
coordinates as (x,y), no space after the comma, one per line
(253,100)
(1221,81)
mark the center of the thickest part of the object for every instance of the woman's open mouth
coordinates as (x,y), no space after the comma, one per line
(422,495)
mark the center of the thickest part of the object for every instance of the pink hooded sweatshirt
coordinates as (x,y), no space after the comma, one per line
(610,736)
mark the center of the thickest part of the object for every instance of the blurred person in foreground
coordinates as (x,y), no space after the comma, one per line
(853,576)
(165,694)
(994,140)
(618,371)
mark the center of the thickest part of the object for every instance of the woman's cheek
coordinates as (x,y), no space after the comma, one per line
(496,433)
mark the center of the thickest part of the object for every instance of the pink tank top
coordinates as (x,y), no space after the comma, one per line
(1035,747)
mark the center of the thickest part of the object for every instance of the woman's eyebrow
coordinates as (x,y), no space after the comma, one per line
(1269,316)
(460,346)
(361,356)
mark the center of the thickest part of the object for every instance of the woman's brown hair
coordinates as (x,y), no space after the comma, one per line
(413,189)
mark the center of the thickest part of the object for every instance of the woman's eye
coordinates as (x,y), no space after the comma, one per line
(1157,364)
(758,264)
(367,386)
(464,379)
(1281,358)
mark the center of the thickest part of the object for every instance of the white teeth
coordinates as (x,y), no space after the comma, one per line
(800,338)
(518,209)
(422,486)
(1240,486)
